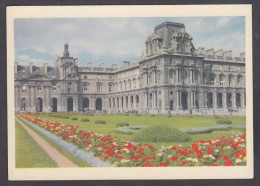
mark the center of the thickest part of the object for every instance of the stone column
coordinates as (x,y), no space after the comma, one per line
(205,99)
(242,100)
(29,98)
(178,99)
(224,100)
(49,99)
(234,100)
(44,109)
(76,104)
(189,101)
(214,99)
(201,99)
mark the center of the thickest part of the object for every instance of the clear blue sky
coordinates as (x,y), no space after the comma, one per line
(112,40)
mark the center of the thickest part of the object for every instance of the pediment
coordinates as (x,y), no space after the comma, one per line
(39,78)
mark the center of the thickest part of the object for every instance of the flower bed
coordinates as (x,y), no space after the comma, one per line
(225,151)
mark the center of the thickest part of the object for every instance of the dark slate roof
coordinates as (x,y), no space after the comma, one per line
(23,72)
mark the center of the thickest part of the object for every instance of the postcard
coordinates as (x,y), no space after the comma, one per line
(130,92)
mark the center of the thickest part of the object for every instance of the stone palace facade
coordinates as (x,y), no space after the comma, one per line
(171,77)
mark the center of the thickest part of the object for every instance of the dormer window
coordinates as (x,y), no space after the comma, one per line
(69,86)
(110,88)
(24,87)
(85,87)
(39,88)
(54,87)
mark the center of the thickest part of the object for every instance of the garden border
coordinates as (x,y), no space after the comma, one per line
(87,157)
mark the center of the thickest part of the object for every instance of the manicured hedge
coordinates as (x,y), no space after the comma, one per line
(161,133)
(122,124)
(85,120)
(100,122)
(74,118)
(224,121)
(207,131)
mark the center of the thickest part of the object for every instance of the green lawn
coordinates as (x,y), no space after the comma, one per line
(28,153)
(179,122)
(75,160)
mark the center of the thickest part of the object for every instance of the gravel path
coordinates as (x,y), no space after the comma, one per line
(60,159)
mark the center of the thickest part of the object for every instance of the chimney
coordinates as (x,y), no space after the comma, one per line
(45,68)
(31,67)
(228,55)
(114,66)
(242,56)
(102,65)
(210,52)
(125,63)
(90,65)
(76,61)
(219,54)
(15,67)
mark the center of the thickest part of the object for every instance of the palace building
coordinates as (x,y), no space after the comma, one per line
(171,77)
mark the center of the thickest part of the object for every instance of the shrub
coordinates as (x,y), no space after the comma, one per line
(65,117)
(74,118)
(161,133)
(206,131)
(126,114)
(152,115)
(85,120)
(217,117)
(123,132)
(89,114)
(122,124)
(100,122)
(224,121)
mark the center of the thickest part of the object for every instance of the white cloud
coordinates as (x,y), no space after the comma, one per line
(28,59)
(113,37)
(223,21)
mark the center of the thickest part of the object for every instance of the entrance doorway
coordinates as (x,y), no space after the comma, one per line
(184,100)
(39,105)
(85,104)
(54,104)
(70,104)
(99,104)
(210,100)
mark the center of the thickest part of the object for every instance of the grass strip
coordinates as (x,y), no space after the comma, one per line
(68,155)
(28,154)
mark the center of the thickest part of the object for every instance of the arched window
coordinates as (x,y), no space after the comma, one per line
(221,79)
(212,79)
(239,79)
(171,76)
(230,79)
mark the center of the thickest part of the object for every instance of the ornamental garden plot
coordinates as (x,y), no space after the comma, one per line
(221,151)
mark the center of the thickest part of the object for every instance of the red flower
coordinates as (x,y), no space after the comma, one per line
(106,157)
(174,158)
(134,157)
(185,162)
(148,165)
(214,164)
(74,141)
(164,164)
(228,163)
(138,165)
(99,154)
(121,157)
